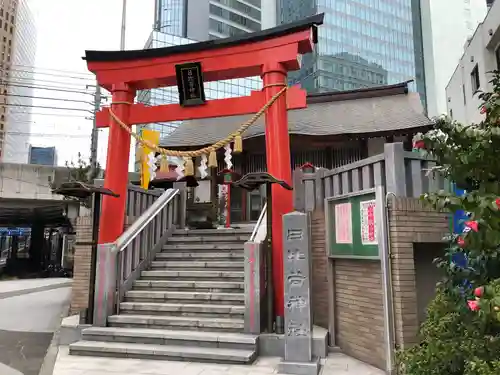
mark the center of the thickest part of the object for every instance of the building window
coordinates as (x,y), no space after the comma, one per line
(451,114)
(474,76)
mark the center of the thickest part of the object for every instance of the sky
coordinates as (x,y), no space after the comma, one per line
(65,29)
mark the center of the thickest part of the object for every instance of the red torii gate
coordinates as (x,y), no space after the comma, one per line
(269,54)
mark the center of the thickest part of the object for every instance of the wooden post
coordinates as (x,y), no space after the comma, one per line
(395,175)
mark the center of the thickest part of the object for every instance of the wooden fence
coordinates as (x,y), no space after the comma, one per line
(401,173)
(138,199)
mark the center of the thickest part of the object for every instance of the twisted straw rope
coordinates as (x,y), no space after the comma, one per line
(204,150)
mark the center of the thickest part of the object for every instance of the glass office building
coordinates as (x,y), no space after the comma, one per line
(362,43)
(208,19)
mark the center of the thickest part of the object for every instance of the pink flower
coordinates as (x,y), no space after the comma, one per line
(473,305)
(419,144)
(461,242)
(497,201)
(478,292)
(472,225)
(483,110)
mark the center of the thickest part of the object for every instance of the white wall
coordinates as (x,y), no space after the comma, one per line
(446,25)
(480,51)
(17,140)
(268,14)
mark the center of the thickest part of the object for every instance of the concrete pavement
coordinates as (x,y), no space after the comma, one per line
(335,364)
(27,323)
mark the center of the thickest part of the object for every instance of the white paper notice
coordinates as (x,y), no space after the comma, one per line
(343,223)
(368,223)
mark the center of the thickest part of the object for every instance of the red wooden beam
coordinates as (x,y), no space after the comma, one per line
(238,61)
(140,114)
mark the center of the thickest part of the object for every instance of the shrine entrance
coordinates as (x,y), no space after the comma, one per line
(269,54)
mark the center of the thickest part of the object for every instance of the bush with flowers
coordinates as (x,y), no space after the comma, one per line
(461,335)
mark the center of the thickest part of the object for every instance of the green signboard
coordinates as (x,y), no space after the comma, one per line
(352,226)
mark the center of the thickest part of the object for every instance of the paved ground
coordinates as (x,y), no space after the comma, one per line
(27,323)
(336,364)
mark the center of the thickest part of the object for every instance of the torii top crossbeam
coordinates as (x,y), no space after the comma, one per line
(270,54)
(236,57)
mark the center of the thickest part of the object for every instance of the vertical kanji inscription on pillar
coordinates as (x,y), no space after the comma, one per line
(297,272)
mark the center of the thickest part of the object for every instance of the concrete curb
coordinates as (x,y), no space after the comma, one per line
(49,361)
(43,288)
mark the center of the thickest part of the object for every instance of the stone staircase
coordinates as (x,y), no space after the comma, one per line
(188,306)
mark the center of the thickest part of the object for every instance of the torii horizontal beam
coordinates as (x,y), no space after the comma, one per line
(141,114)
(230,58)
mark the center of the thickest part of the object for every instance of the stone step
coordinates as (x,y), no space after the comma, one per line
(171,337)
(203,239)
(214,232)
(181,297)
(162,352)
(198,275)
(200,256)
(182,309)
(192,264)
(200,247)
(189,285)
(189,323)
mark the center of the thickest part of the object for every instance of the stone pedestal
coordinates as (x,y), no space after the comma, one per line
(298,315)
(105,285)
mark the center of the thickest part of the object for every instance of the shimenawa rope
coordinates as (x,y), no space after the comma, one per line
(205,150)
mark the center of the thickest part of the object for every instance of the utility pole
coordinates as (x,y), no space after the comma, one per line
(95,135)
(124,25)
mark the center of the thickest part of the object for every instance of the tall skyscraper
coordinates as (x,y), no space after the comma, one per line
(368,43)
(18,44)
(208,19)
(362,43)
(180,22)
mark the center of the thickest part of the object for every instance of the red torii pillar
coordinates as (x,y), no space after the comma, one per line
(269,54)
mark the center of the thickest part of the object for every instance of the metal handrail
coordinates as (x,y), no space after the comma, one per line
(151,212)
(259,223)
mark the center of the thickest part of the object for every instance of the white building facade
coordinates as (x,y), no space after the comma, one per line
(19,90)
(471,76)
(446,27)
(19,81)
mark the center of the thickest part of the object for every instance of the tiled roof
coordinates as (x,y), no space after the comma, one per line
(329,116)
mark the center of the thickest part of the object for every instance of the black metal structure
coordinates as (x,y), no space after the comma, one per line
(80,190)
(253,181)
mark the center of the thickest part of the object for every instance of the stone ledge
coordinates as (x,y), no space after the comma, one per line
(273,345)
(299,368)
